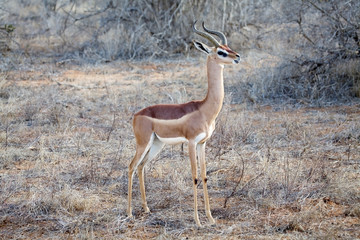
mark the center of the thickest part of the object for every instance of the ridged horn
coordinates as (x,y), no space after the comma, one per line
(217,33)
(206,35)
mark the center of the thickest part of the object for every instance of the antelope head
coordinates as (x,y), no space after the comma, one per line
(220,51)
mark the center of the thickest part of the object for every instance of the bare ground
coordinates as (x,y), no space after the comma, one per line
(275,171)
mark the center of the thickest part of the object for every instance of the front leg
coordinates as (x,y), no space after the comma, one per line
(201,154)
(192,155)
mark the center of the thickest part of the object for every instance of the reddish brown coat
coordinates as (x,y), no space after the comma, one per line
(170,111)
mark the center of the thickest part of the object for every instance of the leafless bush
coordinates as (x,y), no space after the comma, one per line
(113,29)
(311,47)
(321,39)
(5,37)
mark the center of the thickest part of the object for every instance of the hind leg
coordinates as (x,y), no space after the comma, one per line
(136,159)
(155,149)
(140,155)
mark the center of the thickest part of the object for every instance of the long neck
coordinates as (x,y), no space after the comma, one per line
(215,95)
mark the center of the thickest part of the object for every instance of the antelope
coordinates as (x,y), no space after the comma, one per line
(192,123)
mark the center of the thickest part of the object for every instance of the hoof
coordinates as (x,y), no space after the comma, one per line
(198,224)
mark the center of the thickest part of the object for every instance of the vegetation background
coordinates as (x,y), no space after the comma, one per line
(283,162)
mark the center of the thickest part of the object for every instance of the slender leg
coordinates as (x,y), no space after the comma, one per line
(154,150)
(192,155)
(201,153)
(141,153)
(138,155)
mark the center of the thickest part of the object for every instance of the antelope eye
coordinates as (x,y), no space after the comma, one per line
(221,53)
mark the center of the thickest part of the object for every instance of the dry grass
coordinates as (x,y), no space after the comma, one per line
(274,171)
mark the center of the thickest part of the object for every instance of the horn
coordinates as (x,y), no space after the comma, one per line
(206,35)
(219,34)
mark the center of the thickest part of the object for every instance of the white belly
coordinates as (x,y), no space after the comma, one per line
(178,140)
(172,141)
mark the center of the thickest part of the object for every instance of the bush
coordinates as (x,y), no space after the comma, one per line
(305,51)
(318,57)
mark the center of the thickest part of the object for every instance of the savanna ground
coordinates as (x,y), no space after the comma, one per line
(276,171)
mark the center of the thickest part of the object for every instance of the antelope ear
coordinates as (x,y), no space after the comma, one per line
(202,47)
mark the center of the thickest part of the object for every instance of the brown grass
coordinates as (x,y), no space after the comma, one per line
(66,141)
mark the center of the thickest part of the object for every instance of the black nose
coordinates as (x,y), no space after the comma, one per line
(237,60)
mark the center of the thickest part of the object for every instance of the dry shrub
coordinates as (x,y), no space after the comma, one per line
(5,38)
(307,43)
(108,30)
(72,200)
(343,186)
(9,155)
(349,69)
(309,46)
(45,203)
(353,211)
